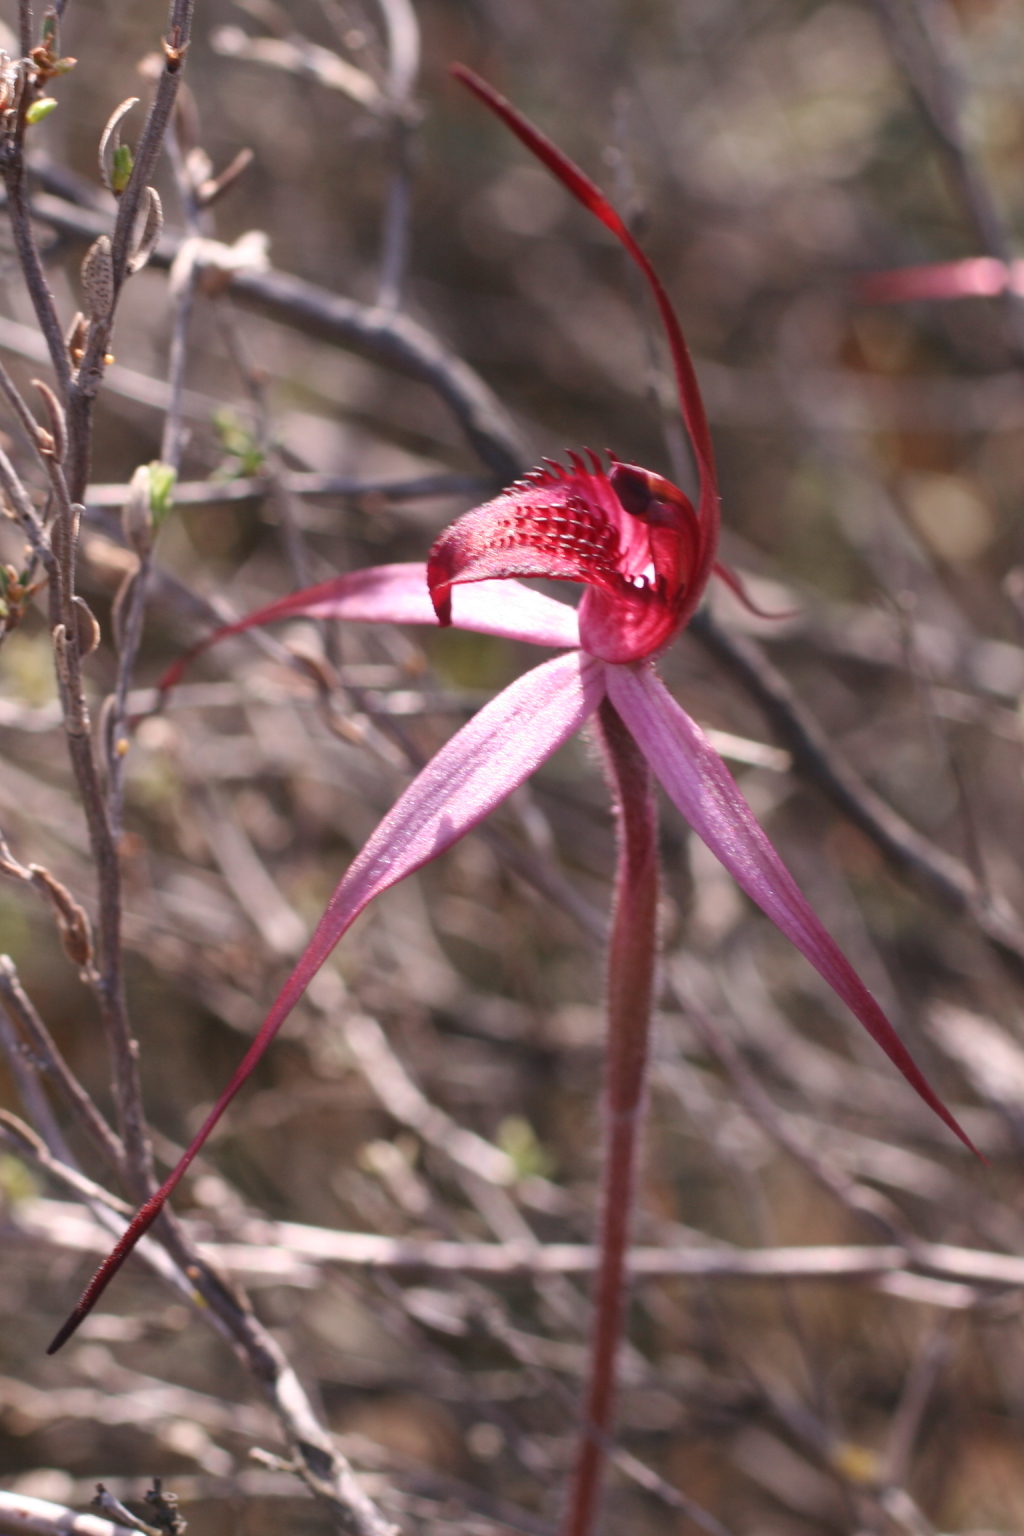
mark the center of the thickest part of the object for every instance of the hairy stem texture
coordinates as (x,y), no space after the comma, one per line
(630,985)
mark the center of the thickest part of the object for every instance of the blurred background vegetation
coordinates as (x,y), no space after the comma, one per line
(769,152)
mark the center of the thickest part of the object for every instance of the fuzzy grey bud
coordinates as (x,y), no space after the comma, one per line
(98,279)
(137,514)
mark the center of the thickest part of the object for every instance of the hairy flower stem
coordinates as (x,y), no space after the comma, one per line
(630,984)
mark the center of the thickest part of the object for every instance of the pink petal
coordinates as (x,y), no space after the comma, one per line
(695,777)
(977,276)
(472,773)
(397,594)
(482,764)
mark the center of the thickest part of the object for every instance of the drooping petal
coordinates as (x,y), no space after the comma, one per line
(397,594)
(478,768)
(695,777)
(633,538)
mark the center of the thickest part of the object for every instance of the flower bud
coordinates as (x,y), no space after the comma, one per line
(40,108)
(115,159)
(122,161)
(98,279)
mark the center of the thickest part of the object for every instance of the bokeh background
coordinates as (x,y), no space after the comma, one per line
(771,153)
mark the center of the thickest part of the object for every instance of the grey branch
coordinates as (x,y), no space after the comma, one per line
(38,1037)
(194,493)
(921,36)
(282,1251)
(298,56)
(385,337)
(38,1517)
(942,874)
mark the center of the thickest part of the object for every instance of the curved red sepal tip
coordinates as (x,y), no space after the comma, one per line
(586,192)
(136,1230)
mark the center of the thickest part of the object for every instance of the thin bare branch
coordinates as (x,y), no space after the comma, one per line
(395,340)
(89,377)
(298,56)
(53,1063)
(197,493)
(922,37)
(856,1198)
(22,1140)
(407,1103)
(907,849)
(128,383)
(959,1268)
(25,1070)
(109,978)
(403,49)
(25,514)
(16,183)
(20,1513)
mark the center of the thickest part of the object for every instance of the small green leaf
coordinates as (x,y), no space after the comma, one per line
(247,455)
(121,168)
(161,490)
(40,109)
(517,1138)
(16,1180)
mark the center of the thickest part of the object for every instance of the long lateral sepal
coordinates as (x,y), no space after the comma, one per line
(397,594)
(696,779)
(474,772)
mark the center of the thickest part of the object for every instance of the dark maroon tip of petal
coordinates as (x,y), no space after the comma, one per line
(137,1229)
(441,569)
(632,487)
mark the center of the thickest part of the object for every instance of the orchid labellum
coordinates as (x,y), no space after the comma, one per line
(643,554)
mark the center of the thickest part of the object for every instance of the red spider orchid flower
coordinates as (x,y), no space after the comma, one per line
(974,277)
(643,554)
